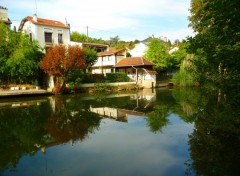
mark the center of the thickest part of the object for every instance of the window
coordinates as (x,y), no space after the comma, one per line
(60,38)
(109,58)
(48,37)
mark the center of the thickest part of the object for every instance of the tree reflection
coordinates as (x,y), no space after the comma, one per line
(188,103)
(20,129)
(158,118)
(71,121)
(215,142)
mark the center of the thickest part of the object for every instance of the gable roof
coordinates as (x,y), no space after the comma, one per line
(41,21)
(134,61)
(108,53)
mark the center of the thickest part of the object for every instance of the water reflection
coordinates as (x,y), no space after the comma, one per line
(196,132)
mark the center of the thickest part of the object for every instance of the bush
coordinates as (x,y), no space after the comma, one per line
(183,78)
(97,78)
(117,77)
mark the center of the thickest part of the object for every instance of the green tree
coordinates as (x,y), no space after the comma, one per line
(77,37)
(179,55)
(158,53)
(19,57)
(114,40)
(90,56)
(216,45)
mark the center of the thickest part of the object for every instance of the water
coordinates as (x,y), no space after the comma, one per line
(150,132)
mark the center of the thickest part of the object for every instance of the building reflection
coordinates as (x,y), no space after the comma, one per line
(146,96)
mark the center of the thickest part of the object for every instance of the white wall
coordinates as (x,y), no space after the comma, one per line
(38,33)
(139,50)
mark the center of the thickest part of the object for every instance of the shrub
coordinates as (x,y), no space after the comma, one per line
(183,78)
(97,78)
(116,77)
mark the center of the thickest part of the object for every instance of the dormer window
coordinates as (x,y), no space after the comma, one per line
(48,37)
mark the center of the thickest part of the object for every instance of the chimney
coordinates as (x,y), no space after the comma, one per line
(35,17)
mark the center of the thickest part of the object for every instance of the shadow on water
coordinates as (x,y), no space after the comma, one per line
(30,125)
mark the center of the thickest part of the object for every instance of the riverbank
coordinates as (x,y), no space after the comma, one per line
(83,88)
(18,93)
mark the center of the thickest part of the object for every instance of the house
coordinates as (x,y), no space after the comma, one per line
(4,16)
(140,48)
(106,60)
(173,49)
(139,70)
(46,32)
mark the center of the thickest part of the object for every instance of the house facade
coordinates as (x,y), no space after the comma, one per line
(138,70)
(46,32)
(106,60)
(4,16)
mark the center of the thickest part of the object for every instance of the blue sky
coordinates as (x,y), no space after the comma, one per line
(129,19)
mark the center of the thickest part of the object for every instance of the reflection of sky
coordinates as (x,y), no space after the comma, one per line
(117,149)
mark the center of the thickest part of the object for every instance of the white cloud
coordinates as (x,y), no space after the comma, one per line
(110,15)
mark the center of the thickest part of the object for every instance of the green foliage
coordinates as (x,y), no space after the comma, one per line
(76,77)
(19,57)
(158,53)
(90,56)
(183,78)
(117,77)
(216,44)
(100,87)
(158,118)
(114,41)
(77,37)
(179,55)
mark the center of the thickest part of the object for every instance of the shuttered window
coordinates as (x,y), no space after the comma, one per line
(48,37)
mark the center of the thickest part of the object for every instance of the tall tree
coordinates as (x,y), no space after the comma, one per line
(216,45)
(19,57)
(60,60)
(90,56)
(157,52)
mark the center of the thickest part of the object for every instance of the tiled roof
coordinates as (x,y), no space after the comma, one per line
(108,53)
(150,72)
(41,21)
(134,61)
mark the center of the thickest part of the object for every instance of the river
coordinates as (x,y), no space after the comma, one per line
(148,132)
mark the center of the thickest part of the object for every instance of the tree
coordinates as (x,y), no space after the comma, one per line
(77,37)
(114,40)
(19,57)
(90,56)
(157,52)
(216,45)
(60,60)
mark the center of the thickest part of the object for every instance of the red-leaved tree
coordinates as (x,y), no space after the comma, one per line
(59,60)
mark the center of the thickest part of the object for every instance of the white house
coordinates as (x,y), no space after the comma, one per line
(106,60)
(46,32)
(140,48)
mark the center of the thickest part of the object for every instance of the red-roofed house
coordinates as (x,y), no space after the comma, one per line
(46,32)
(139,70)
(106,60)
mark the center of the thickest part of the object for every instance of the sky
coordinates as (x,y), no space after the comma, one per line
(128,19)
